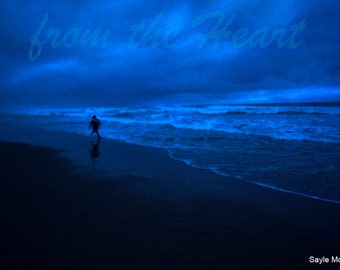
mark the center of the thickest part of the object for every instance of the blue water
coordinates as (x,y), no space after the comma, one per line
(292,148)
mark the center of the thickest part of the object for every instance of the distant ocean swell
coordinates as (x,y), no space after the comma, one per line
(295,149)
(311,124)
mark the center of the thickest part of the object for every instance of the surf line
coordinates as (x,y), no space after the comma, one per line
(70,39)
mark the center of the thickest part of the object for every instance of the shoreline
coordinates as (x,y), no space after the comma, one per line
(34,136)
(262,185)
(63,212)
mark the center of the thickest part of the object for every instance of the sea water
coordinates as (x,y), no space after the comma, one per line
(289,147)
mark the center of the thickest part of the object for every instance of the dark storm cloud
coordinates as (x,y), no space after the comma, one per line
(160,50)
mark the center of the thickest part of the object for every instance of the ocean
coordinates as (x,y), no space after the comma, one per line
(292,148)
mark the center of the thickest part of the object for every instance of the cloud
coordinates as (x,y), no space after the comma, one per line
(165,50)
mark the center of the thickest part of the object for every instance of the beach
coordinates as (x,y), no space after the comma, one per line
(133,207)
(169,135)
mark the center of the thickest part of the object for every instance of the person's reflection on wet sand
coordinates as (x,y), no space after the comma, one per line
(94,151)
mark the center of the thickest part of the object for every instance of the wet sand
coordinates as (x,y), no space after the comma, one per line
(132,207)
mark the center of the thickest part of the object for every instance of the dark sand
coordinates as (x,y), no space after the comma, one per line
(135,208)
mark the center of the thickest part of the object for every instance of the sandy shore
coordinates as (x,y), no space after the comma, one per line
(70,205)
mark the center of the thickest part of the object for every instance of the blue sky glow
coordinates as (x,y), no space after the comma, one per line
(102,53)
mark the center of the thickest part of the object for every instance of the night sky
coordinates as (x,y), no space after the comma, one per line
(109,53)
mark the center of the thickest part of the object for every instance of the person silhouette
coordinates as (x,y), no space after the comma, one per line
(95,124)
